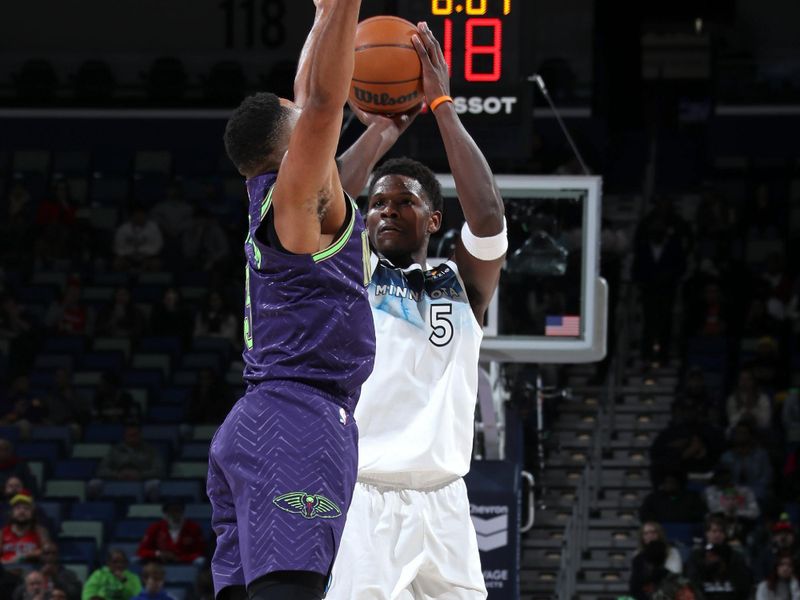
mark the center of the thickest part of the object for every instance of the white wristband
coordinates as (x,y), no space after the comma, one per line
(485,248)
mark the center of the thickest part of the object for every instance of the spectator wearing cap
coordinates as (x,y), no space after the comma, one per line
(13,486)
(173,539)
(22,539)
(114,580)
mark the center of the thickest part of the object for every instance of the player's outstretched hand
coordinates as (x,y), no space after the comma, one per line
(435,73)
(396,123)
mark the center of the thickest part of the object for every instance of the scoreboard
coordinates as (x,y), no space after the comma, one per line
(484,41)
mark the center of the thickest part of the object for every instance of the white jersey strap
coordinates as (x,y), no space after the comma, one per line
(485,248)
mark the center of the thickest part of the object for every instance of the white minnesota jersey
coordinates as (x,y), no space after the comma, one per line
(416,412)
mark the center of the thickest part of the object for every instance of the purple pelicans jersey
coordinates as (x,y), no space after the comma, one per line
(307,316)
(282,466)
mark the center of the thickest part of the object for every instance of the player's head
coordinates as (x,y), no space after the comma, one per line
(404,209)
(257,133)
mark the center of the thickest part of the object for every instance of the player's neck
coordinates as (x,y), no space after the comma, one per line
(404,261)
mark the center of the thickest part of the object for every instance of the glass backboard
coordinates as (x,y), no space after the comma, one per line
(550,306)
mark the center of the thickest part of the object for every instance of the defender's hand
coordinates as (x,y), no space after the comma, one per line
(435,73)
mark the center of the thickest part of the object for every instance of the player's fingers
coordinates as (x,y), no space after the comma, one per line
(420,47)
(434,48)
(429,41)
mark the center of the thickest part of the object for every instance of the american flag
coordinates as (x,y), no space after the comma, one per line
(562,325)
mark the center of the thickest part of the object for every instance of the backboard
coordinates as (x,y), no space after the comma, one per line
(551,304)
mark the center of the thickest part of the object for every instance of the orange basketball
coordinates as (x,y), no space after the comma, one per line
(387,77)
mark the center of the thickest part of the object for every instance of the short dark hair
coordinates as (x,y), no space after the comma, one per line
(416,170)
(253,129)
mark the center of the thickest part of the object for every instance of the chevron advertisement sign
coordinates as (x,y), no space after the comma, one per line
(494,495)
(492,531)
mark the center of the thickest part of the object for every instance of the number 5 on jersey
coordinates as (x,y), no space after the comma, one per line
(442,326)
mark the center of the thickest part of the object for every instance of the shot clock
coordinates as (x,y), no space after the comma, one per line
(482,42)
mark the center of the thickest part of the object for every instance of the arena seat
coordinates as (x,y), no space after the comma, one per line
(75,468)
(83,529)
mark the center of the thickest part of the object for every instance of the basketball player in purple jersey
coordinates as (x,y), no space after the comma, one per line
(282,466)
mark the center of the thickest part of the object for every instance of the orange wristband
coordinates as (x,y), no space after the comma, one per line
(439,101)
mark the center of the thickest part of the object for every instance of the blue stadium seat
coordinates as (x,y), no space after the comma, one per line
(103,433)
(53,510)
(185,377)
(78,550)
(218,345)
(148,293)
(68,344)
(151,378)
(48,452)
(56,433)
(125,490)
(174,395)
(194,450)
(131,529)
(100,510)
(201,360)
(160,432)
(10,433)
(75,468)
(42,378)
(53,361)
(36,294)
(188,489)
(177,574)
(162,344)
(166,414)
(198,511)
(109,360)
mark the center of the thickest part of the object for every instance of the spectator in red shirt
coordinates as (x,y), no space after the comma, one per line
(22,539)
(173,539)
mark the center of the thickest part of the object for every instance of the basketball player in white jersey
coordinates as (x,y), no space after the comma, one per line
(409,532)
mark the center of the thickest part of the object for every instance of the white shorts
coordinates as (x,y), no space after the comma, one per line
(408,544)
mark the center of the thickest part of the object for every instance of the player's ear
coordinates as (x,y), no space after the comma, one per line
(434,222)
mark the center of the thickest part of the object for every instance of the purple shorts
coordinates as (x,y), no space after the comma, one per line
(281,472)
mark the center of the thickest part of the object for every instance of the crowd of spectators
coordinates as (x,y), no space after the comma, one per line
(180,245)
(725,475)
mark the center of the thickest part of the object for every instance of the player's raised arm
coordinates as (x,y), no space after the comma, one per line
(480,252)
(303,63)
(308,184)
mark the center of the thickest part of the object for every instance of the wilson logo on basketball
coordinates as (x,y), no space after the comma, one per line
(383,99)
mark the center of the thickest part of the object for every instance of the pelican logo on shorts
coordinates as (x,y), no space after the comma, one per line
(310,506)
(342,416)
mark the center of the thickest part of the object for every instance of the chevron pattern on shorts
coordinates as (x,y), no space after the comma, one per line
(272,446)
